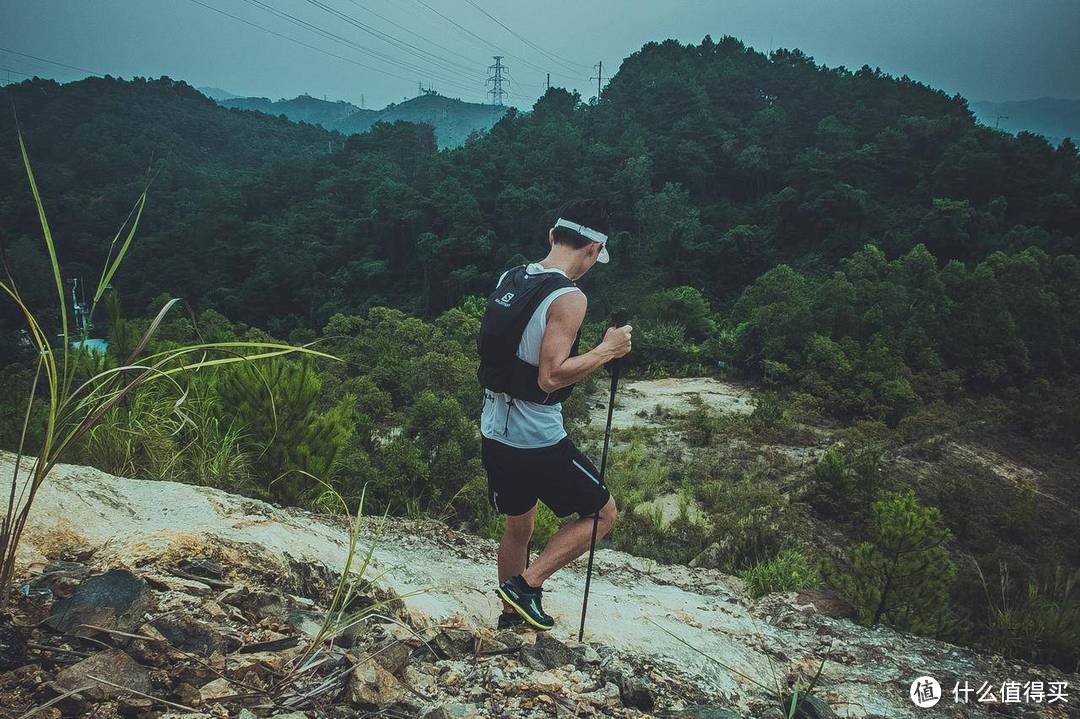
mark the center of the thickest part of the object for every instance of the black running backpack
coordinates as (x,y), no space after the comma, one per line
(509,309)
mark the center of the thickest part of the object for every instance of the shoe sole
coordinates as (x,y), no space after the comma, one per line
(521,612)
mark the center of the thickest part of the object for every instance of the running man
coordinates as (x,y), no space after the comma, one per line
(529,364)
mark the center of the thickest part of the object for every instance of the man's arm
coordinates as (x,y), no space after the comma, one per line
(557,368)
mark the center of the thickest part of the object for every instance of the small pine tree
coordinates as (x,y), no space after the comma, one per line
(903,575)
(275,404)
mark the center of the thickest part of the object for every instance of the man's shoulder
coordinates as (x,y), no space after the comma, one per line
(570,303)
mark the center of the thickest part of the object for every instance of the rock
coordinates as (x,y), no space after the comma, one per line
(370,684)
(116,599)
(590,655)
(710,557)
(306,622)
(12,645)
(185,632)
(393,657)
(453,711)
(268,603)
(215,690)
(182,585)
(703,712)
(203,567)
(547,653)
(455,642)
(114,666)
(235,596)
(634,692)
(811,707)
(421,681)
(246,714)
(187,694)
(825,601)
(543,681)
(606,696)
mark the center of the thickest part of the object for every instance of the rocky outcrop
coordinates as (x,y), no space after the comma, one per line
(241,583)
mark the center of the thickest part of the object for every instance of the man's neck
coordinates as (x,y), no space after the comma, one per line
(565,259)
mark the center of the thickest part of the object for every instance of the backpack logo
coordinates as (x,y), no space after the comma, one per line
(505,299)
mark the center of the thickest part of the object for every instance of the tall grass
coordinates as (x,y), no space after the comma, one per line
(77,393)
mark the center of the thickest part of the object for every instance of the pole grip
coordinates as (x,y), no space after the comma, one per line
(618,319)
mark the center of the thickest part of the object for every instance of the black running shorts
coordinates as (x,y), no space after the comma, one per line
(560,476)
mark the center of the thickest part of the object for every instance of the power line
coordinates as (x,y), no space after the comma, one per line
(483,40)
(407,47)
(403,27)
(300,42)
(11,70)
(383,57)
(569,65)
(51,62)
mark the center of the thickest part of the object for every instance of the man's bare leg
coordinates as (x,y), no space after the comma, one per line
(569,543)
(514,547)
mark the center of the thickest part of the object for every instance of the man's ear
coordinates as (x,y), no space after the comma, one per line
(551,237)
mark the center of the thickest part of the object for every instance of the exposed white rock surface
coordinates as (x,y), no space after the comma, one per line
(637,607)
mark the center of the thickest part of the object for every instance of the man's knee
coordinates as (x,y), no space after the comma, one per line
(520,528)
(608,514)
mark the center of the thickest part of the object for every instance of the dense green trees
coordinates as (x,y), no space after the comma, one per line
(719,163)
(878,337)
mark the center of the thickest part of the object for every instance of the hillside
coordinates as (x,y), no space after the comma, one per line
(760,161)
(454,120)
(1051,117)
(637,647)
(216,93)
(304,108)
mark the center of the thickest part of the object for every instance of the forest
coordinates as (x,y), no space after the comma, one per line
(852,243)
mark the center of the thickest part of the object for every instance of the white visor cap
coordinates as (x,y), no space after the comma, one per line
(589,234)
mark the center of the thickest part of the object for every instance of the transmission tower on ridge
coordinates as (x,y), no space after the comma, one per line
(497,75)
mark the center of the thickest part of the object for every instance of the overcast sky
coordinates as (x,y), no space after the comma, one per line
(983,49)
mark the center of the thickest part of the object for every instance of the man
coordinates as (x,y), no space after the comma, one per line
(529,363)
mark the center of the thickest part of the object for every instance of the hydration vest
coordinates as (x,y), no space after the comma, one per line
(509,309)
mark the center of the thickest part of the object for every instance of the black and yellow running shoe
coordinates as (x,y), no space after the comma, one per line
(526,602)
(509,620)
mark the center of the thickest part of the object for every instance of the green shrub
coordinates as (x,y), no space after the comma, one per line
(136,438)
(636,473)
(789,571)
(847,478)
(1040,625)
(700,425)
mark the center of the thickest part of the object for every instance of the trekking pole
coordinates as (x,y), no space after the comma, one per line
(618,319)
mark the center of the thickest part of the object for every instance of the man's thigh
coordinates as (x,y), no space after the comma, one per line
(572,483)
(511,484)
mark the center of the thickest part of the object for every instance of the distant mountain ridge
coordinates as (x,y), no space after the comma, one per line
(303,108)
(1052,117)
(216,93)
(454,120)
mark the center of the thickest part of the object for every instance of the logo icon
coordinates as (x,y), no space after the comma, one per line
(925,692)
(505,299)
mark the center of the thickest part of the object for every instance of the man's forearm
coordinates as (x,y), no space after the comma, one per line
(575,369)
